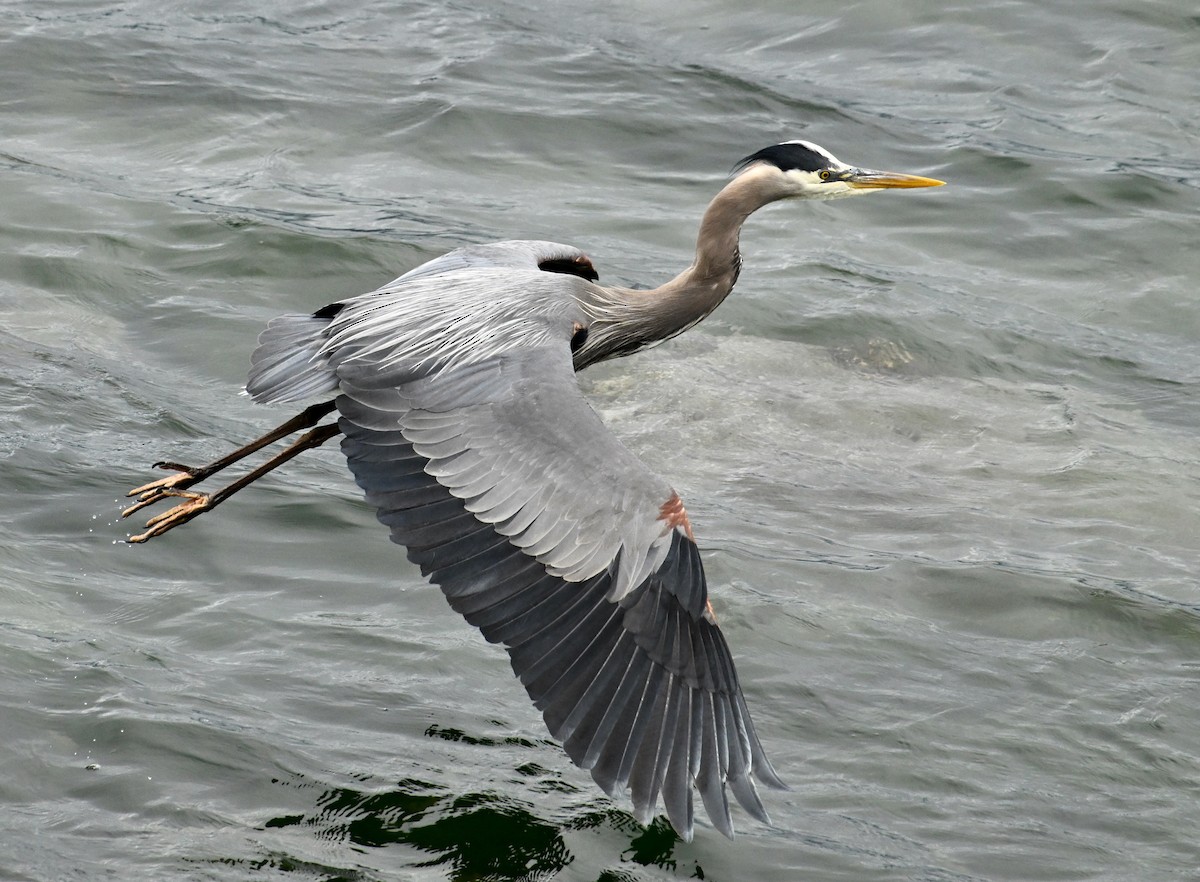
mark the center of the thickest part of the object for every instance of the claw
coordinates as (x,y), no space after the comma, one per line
(196,504)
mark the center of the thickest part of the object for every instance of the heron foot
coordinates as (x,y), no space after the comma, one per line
(196,504)
(150,493)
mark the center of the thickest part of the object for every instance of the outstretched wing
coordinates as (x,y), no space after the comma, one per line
(546,533)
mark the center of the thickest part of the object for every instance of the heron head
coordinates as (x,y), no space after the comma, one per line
(804,170)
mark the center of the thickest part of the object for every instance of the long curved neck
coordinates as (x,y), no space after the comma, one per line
(631,319)
(701,287)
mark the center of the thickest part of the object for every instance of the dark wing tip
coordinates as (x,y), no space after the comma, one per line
(644,695)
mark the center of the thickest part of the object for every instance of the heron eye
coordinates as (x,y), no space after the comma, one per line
(826,175)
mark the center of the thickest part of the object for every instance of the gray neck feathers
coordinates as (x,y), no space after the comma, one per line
(628,320)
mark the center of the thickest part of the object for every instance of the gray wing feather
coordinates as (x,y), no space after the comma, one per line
(288,363)
(545,532)
(574,513)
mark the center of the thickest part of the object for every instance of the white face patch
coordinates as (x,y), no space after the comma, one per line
(811,185)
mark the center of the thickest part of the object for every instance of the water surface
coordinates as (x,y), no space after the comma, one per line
(939,447)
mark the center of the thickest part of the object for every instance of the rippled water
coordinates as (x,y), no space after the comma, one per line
(940,447)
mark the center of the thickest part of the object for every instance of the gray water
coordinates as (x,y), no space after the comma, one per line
(940,446)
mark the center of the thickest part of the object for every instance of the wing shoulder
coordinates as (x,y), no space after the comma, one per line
(518,254)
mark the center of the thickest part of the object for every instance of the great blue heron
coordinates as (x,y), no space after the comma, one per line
(465,426)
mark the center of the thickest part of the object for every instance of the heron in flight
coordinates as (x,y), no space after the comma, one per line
(462,421)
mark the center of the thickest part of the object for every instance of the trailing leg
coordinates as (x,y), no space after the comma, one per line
(197,503)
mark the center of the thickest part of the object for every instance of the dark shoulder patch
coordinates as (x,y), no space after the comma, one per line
(787,157)
(572,266)
(328,312)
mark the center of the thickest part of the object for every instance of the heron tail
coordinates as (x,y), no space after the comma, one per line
(287,364)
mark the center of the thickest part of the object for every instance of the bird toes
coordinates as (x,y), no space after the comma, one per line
(185,478)
(152,492)
(196,504)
